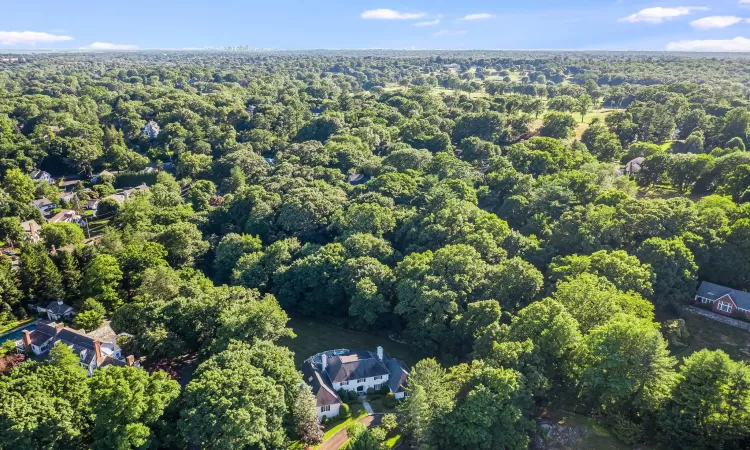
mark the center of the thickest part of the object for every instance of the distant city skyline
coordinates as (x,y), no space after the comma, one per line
(716,25)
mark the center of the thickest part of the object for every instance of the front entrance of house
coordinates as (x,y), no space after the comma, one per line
(360,388)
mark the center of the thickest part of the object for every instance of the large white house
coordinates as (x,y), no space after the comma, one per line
(95,349)
(334,370)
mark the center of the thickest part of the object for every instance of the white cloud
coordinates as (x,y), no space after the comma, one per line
(712,22)
(109,46)
(738,44)
(390,14)
(660,14)
(478,16)
(30,38)
(450,32)
(427,23)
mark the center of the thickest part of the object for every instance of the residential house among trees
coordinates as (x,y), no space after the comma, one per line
(32,231)
(151,130)
(723,300)
(335,370)
(43,205)
(95,349)
(40,175)
(67,215)
(58,311)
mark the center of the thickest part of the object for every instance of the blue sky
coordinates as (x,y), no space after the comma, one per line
(709,25)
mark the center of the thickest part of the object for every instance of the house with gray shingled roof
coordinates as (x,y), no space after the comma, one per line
(95,349)
(356,371)
(723,300)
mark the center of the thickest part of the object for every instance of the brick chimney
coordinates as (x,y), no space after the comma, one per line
(130,360)
(98,351)
(27,340)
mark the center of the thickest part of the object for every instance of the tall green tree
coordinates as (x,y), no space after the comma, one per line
(126,402)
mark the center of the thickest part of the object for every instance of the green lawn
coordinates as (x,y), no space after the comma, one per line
(713,335)
(378,407)
(316,336)
(575,432)
(333,427)
(16,324)
(391,442)
(358,412)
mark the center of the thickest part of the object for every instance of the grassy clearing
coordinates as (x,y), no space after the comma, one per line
(574,432)
(445,91)
(392,442)
(358,412)
(713,335)
(18,323)
(599,114)
(333,427)
(379,408)
(316,336)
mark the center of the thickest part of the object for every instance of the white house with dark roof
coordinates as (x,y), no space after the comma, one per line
(151,130)
(723,300)
(41,175)
(96,349)
(59,310)
(43,205)
(334,370)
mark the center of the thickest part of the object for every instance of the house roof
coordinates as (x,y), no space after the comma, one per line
(321,389)
(354,365)
(37,174)
(399,375)
(104,333)
(41,202)
(58,308)
(110,361)
(40,336)
(30,226)
(65,215)
(715,291)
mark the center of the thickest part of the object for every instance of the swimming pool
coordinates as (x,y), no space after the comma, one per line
(17,334)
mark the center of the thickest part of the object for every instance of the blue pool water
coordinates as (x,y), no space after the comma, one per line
(17,334)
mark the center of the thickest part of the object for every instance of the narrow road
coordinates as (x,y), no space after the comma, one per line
(338,439)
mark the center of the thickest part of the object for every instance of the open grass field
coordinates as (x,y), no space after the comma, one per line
(600,113)
(570,431)
(713,335)
(316,336)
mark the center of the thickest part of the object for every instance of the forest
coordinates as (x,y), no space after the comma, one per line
(532,224)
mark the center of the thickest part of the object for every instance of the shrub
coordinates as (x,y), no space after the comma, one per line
(344,411)
(342,394)
(627,431)
(353,396)
(355,429)
(389,422)
(378,433)
(384,389)
(88,320)
(390,400)
(370,392)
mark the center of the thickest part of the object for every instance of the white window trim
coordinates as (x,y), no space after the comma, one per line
(326,408)
(724,306)
(361,380)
